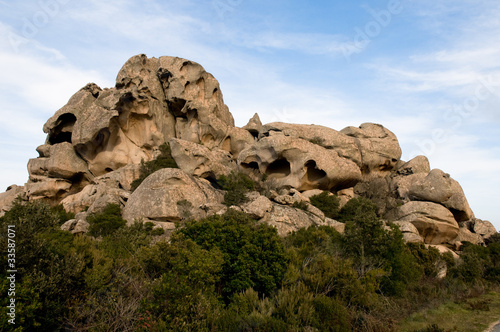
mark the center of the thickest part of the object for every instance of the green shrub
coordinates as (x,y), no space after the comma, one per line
(330,315)
(327,203)
(164,160)
(254,255)
(426,257)
(300,205)
(236,186)
(107,222)
(372,247)
(357,208)
(49,271)
(183,294)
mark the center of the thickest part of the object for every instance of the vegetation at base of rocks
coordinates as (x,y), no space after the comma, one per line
(236,185)
(254,255)
(230,273)
(327,203)
(164,160)
(106,222)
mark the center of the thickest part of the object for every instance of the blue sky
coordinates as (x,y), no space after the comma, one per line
(427,70)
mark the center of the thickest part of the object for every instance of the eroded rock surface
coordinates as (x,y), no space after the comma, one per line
(97,142)
(99,131)
(434,222)
(171,195)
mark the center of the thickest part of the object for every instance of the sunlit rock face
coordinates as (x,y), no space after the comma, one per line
(96,143)
(99,131)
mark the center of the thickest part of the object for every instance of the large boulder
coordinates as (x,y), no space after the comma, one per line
(171,195)
(8,197)
(484,228)
(379,148)
(198,160)
(299,163)
(287,219)
(439,187)
(419,164)
(328,138)
(257,206)
(435,223)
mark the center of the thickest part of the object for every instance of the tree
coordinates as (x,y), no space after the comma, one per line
(254,255)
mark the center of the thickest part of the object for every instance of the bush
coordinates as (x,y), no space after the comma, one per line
(107,222)
(300,205)
(183,295)
(164,160)
(49,271)
(330,315)
(254,255)
(327,203)
(357,208)
(236,186)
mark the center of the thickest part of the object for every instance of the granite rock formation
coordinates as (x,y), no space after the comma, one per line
(96,143)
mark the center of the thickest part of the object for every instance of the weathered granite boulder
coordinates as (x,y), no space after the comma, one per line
(379,148)
(8,197)
(484,228)
(328,138)
(465,235)
(196,159)
(76,226)
(171,195)
(287,219)
(257,206)
(440,188)
(410,232)
(299,163)
(419,164)
(94,198)
(434,222)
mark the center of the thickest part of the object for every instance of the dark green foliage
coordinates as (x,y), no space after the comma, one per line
(308,241)
(475,263)
(107,222)
(164,160)
(230,273)
(426,257)
(49,272)
(330,315)
(372,247)
(327,203)
(254,255)
(357,207)
(300,205)
(183,294)
(236,186)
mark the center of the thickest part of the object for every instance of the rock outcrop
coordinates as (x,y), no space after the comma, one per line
(171,195)
(97,142)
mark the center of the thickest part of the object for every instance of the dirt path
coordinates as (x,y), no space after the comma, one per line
(494,327)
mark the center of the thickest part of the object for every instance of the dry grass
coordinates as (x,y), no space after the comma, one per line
(475,314)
